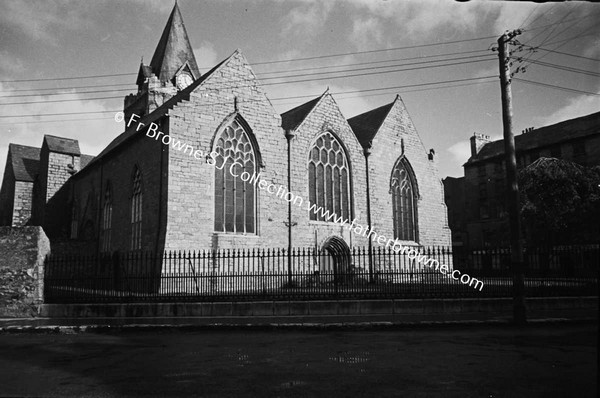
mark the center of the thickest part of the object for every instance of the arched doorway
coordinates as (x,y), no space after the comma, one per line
(335,259)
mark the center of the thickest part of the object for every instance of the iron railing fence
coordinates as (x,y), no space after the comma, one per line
(313,274)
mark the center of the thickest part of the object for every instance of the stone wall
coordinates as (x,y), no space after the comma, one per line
(231,91)
(326,117)
(23,202)
(386,150)
(115,172)
(22,253)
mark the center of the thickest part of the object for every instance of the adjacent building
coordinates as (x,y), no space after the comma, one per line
(476,202)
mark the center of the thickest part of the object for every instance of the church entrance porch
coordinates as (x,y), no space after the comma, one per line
(334,261)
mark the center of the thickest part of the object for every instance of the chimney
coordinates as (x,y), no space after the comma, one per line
(477,142)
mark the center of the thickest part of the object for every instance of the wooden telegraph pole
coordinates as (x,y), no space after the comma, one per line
(516,248)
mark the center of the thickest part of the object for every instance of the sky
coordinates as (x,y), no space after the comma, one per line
(387,47)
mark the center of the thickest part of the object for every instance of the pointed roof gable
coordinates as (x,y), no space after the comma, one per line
(25,161)
(366,125)
(158,113)
(173,49)
(68,146)
(295,116)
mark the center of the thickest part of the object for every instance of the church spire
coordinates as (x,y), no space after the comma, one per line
(173,50)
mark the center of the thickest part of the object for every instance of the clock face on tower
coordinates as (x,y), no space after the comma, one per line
(183,80)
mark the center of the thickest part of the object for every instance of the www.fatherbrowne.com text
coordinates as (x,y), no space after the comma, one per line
(281,192)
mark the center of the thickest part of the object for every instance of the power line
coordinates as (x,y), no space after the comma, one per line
(558,23)
(374,51)
(582,34)
(61,100)
(278,99)
(556,87)
(59,114)
(565,68)
(345,92)
(357,91)
(267,73)
(67,78)
(132,85)
(274,61)
(529,16)
(568,54)
(340,76)
(79,92)
(549,35)
(371,73)
(378,62)
(539,16)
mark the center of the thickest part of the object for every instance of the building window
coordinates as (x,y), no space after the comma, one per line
(404,201)
(106,220)
(329,178)
(136,211)
(235,199)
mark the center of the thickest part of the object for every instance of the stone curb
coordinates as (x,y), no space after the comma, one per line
(46,329)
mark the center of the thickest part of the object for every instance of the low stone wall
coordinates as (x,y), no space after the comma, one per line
(395,310)
(22,253)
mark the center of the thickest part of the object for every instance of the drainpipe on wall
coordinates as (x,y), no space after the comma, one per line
(289,135)
(367,152)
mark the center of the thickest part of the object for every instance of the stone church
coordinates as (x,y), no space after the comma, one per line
(139,194)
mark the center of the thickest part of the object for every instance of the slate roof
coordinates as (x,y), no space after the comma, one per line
(144,72)
(292,118)
(156,114)
(84,160)
(544,136)
(62,145)
(173,49)
(366,125)
(25,161)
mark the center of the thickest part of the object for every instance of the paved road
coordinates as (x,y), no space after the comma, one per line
(553,360)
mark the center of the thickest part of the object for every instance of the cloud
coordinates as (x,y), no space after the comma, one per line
(158,6)
(206,56)
(576,107)
(366,32)
(348,106)
(9,63)
(307,19)
(461,151)
(43,20)
(93,134)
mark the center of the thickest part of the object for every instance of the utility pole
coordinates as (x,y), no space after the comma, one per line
(516,248)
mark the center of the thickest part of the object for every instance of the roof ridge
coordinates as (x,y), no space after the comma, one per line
(307,108)
(365,132)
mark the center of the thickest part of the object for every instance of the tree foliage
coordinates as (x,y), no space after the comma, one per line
(560,202)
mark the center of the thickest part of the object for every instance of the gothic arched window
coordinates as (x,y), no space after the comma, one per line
(403,189)
(106,220)
(329,178)
(235,199)
(136,211)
